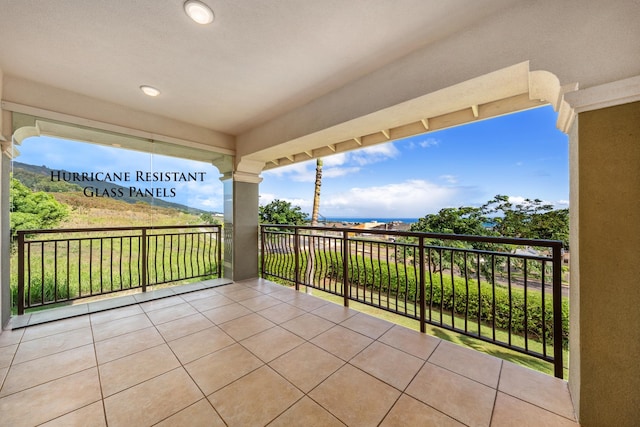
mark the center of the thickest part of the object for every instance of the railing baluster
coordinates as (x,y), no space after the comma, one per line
(479,313)
(422,288)
(544,310)
(365,264)
(510,297)
(557,311)
(466,285)
(526,307)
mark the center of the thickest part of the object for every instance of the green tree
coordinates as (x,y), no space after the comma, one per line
(208,218)
(281,212)
(30,211)
(529,219)
(463,220)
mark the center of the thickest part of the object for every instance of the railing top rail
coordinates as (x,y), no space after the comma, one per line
(441,236)
(103,229)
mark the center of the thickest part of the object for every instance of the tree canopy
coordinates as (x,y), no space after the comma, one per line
(500,217)
(33,210)
(281,212)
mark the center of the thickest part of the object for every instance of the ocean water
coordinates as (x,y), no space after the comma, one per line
(362,220)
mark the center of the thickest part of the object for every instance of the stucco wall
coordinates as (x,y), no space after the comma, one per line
(607,293)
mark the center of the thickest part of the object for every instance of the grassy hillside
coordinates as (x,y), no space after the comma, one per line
(38,178)
(107,212)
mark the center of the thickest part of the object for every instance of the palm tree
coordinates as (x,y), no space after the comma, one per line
(314,221)
(316,193)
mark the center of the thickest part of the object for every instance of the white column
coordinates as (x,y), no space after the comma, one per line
(240,225)
(5,242)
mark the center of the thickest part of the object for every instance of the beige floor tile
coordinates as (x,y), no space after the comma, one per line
(159,303)
(246,326)
(413,342)
(260,302)
(535,387)
(52,344)
(52,328)
(216,370)
(153,295)
(200,414)
(3,374)
(469,363)
(356,398)
(243,294)
(50,400)
(306,413)
(213,301)
(226,313)
(11,337)
(510,411)
(184,326)
(115,314)
(193,296)
(342,342)
(307,366)
(168,314)
(388,364)
(91,415)
(152,401)
(133,369)
(231,288)
(307,302)
(281,313)
(199,344)
(7,354)
(334,312)
(308,326)
(459,397)
(121,326)
(264,286)
(38,371)
(269,344)
(285,294)
(410,412)
(124,345)
(255,399)
(367,325)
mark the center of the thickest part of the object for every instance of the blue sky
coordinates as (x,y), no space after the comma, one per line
(521,155)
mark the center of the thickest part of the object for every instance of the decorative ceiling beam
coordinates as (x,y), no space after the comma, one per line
(358,140)
(291,158)
(425,123)
(276,162)
(309,153)
(332,147)
(386,133)
(474,108)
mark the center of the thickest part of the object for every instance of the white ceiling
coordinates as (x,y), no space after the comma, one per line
(258,60)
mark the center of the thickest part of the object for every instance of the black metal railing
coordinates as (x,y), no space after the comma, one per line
(68,264)
(504,291)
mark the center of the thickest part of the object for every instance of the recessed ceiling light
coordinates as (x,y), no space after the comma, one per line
(198,11)
(148,90)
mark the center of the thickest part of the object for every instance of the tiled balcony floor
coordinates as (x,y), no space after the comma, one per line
(253,353)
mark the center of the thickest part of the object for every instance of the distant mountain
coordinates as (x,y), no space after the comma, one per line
(38,178)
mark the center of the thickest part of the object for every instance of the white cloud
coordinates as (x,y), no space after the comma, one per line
(450,179)
(336,165)
(429,142)
(411,198)
(558,204)
(374,154)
